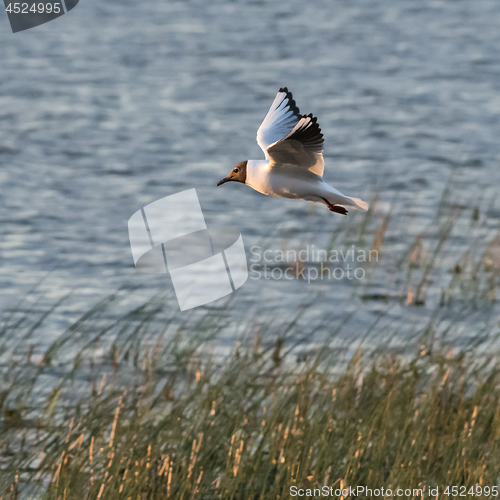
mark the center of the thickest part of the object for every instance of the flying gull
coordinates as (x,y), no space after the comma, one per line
(294,164)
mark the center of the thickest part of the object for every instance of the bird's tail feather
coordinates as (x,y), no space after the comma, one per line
(359,203)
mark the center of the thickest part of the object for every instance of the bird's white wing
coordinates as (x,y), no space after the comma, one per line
(302,147)
(280,120)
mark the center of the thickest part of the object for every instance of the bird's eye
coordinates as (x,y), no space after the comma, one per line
(236,170)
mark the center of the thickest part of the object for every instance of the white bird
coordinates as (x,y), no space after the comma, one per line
(294,164)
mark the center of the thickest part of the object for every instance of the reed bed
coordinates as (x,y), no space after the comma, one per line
(257,426)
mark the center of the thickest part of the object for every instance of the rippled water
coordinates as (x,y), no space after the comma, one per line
(120,103)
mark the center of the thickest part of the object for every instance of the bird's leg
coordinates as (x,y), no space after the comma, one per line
(335,208)
(338,209)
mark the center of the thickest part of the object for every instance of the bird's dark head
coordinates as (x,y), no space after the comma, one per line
(237,174)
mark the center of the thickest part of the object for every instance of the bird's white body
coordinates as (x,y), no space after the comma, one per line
(291,181)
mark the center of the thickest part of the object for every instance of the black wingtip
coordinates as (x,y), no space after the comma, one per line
(291,102)
(309,134)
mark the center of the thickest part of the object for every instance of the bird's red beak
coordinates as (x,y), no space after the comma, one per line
(223,181)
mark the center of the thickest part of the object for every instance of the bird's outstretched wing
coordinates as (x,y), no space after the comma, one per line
(301,147)
(280,120)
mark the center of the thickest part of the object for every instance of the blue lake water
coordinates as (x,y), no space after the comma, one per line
(120,103)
